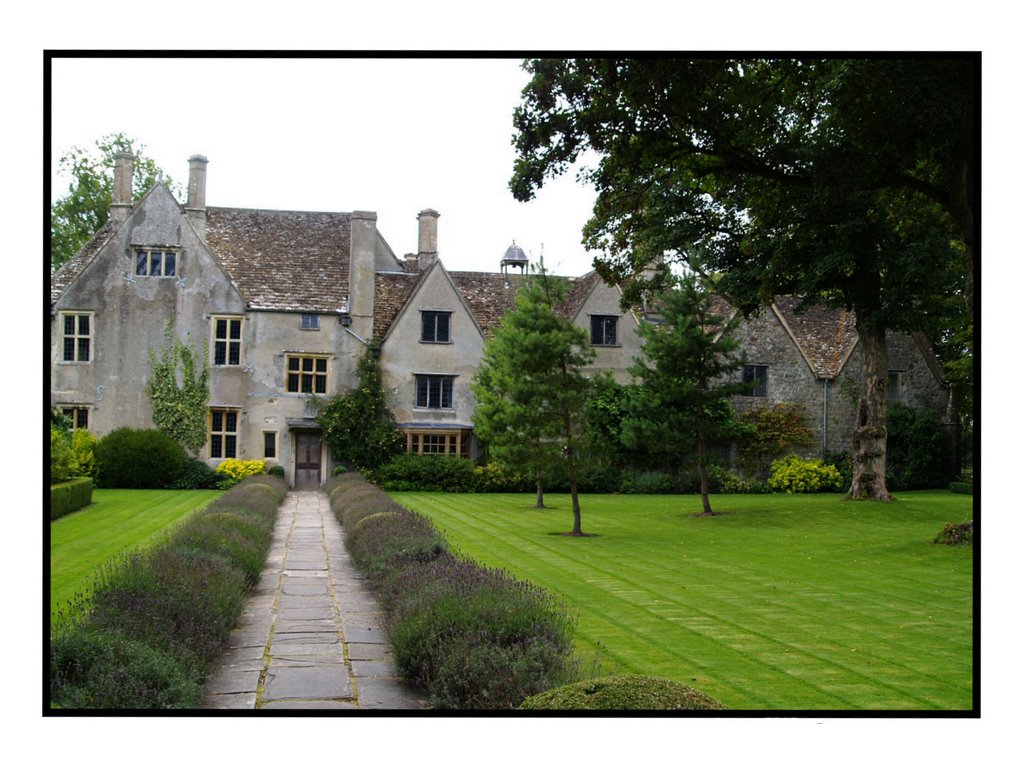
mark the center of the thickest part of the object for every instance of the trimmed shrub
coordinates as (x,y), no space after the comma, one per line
(477,638)
(181,600)
(196,475)
(409,472)
(104,669)
(795,475)
(474,638)
(69,497)
(177,603)
(236,535)
(276,471)
(917,450)
(624,692)
(138,458)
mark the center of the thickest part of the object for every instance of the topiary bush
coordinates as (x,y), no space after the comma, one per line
(622,693)
(795,475)
(139,458)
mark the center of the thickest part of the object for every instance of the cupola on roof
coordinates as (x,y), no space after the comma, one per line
(514,257)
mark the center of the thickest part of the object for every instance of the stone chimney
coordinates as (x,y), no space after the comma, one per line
(195,208)
(121,198)
(428,238)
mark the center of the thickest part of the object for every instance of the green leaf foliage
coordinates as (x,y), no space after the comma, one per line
(179,399)
(357,425)
(844,181)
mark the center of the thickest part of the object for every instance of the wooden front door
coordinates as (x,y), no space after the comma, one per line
(307,460)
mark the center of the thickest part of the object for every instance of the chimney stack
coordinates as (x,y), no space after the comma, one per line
(195,208)
(428,238)
(121,198)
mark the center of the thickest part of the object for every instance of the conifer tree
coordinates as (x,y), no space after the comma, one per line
(687,373)
(530,391)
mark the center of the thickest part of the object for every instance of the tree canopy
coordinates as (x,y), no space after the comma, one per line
(847,181)
(84,208)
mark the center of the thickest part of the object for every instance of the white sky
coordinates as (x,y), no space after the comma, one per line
(393,136)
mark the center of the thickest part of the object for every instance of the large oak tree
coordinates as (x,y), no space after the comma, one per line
(837,180)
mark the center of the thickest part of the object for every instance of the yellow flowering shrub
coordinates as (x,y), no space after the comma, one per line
(237,469)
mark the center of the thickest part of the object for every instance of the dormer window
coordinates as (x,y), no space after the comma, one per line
(155,262)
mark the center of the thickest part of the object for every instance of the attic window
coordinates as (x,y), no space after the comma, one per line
(437,327)
(604,330)
(155,263)
(310,322)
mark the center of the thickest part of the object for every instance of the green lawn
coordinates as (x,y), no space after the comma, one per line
(783,602)
(116,522)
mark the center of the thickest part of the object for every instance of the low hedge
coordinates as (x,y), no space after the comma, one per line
(156,623)
(452,474)
(69,497)
(472,637)
(962,487)
(624,693)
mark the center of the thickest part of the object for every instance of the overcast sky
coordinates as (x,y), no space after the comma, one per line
(393,136)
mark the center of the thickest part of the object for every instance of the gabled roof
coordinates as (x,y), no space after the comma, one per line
(391,292)
(73,267)
(824,335)
(284,260)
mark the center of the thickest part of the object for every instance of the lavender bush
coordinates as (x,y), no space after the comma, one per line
(473,637)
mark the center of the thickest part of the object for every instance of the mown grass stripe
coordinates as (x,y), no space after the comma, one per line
(784,602)
(118,521)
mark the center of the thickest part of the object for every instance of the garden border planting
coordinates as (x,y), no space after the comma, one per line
(154,626)
(472,637)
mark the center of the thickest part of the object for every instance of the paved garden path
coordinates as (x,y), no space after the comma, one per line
(310,636)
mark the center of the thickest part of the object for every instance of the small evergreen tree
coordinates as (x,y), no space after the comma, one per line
(179,409)
(357,425)
(686,373)
(529,389)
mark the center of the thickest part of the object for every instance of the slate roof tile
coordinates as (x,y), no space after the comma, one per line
(284,260)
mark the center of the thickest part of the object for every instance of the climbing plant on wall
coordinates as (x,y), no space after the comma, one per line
(179,396)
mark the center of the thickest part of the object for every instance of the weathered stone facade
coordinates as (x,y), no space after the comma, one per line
(285,303)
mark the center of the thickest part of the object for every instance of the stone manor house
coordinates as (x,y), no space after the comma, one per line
(287,301)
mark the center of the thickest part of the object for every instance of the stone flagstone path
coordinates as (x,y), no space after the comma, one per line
(311,634)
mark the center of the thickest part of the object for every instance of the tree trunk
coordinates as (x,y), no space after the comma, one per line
(869,434)
(577,525)
(540,494)
(702,468)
